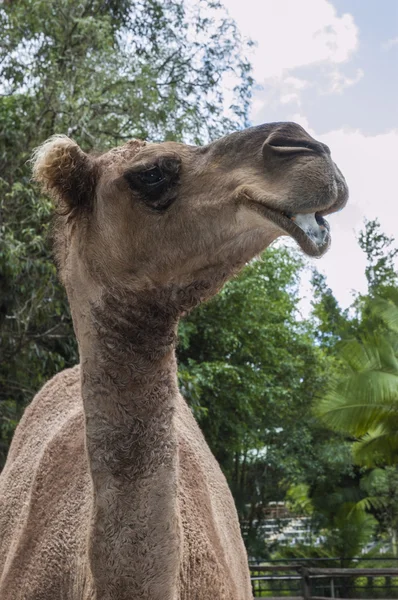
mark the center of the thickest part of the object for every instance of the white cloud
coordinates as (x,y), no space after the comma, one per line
(282,90)
(370,166)
(286,98)
(290,88)
(290,34)
(256,107)
(294,33)
(338,81)
(390,43)
(296,83)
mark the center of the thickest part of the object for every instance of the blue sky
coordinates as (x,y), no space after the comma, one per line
(332,66)
(377,90)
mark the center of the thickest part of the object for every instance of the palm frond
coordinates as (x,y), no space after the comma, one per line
(387,309)
(369,503)
(370,354)
(363,402)
(360,402)
(377,447)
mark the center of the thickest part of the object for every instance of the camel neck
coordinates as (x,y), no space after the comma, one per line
(129,388)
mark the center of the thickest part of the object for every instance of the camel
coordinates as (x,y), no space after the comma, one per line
(110,491)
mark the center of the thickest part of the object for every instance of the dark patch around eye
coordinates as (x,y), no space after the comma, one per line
(156,184)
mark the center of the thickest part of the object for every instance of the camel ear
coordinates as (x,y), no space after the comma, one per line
(65,172)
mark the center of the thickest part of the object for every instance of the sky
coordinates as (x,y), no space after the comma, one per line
(332,66)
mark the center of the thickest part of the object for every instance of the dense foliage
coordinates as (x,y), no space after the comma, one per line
(362,399)
(102,72)
(254,371)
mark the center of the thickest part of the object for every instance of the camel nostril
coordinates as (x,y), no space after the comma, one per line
(281,143)
(277,146)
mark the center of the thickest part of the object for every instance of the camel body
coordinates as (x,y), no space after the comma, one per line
(44,525)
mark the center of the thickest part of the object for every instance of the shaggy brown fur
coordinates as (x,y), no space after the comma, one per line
(110,491)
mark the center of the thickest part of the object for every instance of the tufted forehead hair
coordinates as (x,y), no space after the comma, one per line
(122,153)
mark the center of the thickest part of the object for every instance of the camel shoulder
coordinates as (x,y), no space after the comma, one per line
(51,407)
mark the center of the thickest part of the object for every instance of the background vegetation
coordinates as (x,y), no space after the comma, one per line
(300,411)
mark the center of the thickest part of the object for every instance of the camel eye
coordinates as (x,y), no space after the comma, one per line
(152,176)
(155,185)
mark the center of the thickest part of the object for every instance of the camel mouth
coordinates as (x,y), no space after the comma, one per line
(311,231)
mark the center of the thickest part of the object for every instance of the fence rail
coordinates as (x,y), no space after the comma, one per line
(318,583)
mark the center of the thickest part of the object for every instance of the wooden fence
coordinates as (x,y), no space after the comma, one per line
(302,582)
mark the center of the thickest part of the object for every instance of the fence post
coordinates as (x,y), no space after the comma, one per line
(306,583)
(332,588)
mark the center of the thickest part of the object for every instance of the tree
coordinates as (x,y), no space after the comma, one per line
(380,486)
(251,371)
(360,404)
(362,401)
(363,398)
(381,257)
(102,72)
(333,500)
(332,323)
(381,276)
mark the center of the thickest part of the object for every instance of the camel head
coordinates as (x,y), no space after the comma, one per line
(155,215)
